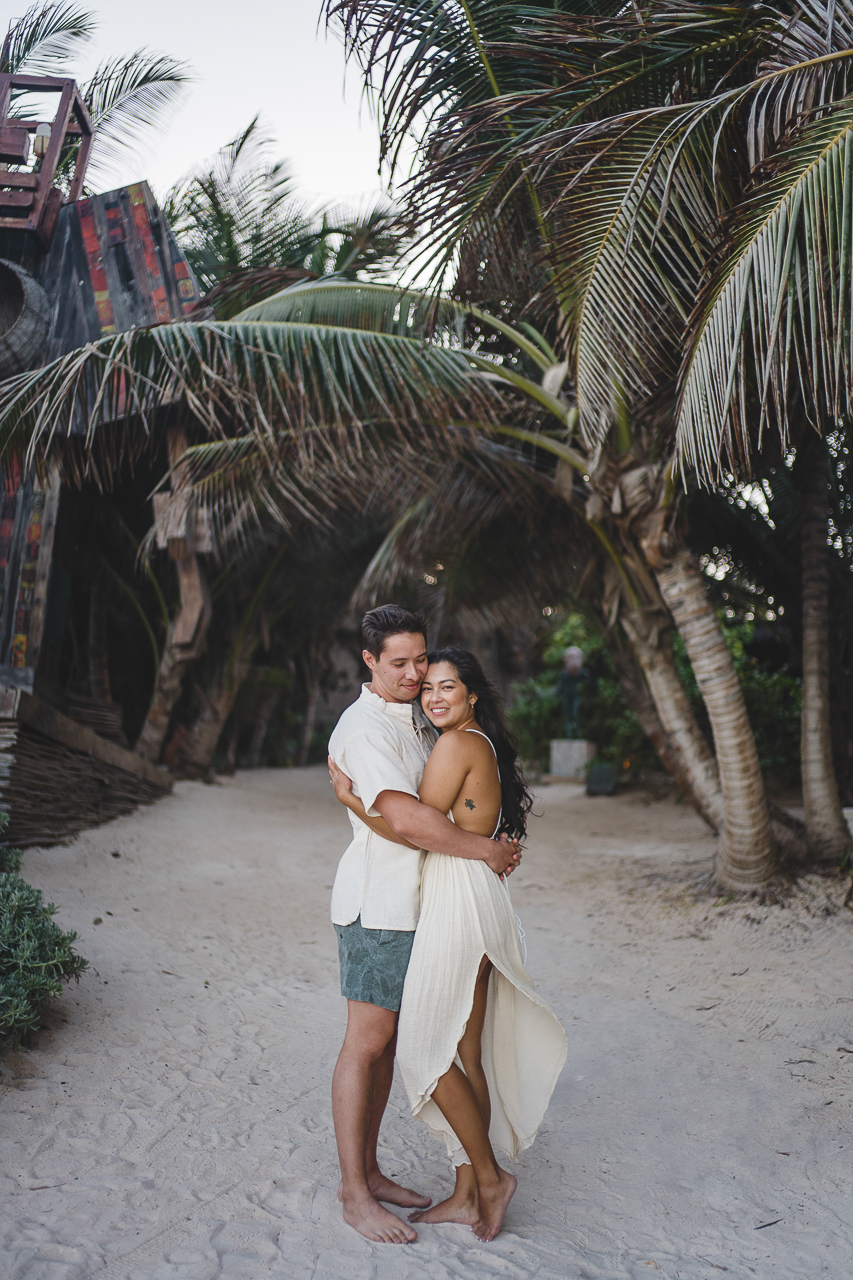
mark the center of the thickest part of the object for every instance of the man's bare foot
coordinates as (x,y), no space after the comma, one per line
(382,1188)
(494,1201)
(376,1223)
(459,1207)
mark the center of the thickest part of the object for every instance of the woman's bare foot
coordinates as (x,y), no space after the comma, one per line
(376,1223)
(460,1207)
(494,1201)
(382,1188)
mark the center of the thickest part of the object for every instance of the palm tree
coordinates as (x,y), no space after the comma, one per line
(769,331)
(552,80)
(247,235)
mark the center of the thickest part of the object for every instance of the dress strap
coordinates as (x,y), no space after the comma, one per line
(486,736)
(492,745)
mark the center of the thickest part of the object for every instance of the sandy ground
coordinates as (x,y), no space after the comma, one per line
(173,1120)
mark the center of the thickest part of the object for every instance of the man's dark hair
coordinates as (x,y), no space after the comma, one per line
(390,620)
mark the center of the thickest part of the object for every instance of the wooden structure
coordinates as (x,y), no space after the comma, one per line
(72,270)
(29,200)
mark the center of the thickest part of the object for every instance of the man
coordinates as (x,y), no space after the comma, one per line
(382,743)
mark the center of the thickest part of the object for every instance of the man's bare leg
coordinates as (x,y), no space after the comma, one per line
(383,1188)
(370,1032)
(464,1204)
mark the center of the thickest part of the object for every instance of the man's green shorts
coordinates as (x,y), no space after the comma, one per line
(373,963)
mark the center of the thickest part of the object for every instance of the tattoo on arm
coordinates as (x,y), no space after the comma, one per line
(469,804)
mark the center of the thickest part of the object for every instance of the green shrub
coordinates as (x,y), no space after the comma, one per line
(773,700)
(605,717)
(36,957)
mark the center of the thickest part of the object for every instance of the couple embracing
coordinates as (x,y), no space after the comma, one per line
(430,950)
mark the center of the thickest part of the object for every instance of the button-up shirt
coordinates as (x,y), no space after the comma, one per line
(382,746)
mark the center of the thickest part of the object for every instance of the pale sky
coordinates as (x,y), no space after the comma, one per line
(248,56)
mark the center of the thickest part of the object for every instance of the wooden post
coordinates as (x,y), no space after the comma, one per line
(49,517)
(188,632)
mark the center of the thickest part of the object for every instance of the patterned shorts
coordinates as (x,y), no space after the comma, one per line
(373,963)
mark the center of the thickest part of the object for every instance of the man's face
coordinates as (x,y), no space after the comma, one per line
(400,668)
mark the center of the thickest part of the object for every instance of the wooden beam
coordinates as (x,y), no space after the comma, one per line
(54,147)
(51,723)
(44,562)
(23,180)
(52,84)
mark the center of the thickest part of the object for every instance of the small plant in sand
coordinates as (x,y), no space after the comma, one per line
(36,957)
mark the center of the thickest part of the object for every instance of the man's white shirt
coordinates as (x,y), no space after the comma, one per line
(382,746)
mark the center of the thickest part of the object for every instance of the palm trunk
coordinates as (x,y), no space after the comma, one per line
(747,854)
(696,767)
(196,758)
(694,771)
(829,834)
(261,723)
(313,689)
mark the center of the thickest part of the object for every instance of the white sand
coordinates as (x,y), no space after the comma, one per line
(174,1121)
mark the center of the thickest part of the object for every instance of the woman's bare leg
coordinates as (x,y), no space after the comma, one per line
(483,1190)
(463,1205)
(470,1046)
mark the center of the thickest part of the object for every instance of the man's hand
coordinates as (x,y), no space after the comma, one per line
(505,856)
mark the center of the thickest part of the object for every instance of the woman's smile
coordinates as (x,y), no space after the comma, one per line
(444,698)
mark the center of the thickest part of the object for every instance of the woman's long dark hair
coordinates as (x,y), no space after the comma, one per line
(516,800)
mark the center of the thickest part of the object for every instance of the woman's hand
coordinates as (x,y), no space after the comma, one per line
(341,783)
(505,856)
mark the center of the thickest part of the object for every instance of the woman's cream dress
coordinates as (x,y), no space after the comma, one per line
(466,913)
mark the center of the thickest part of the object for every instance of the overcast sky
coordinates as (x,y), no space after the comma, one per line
(248,56)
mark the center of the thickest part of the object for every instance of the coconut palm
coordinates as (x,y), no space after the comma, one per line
(756,169)
(564,76)
(247,235)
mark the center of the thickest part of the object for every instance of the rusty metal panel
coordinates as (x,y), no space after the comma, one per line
(113,265)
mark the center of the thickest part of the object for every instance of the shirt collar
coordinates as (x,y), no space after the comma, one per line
(399,710)
(409,712)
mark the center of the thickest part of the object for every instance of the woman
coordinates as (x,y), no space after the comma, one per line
(479,1050)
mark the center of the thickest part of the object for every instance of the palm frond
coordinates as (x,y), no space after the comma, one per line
(776,319)
(46,38)
(128,96)
(382,308)
(240,379)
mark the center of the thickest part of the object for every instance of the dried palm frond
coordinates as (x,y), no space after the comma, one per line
(236,379)
(485,534)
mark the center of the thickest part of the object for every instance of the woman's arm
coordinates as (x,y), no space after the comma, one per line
(347,797)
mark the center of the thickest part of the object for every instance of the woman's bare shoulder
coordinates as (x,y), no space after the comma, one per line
(455,745)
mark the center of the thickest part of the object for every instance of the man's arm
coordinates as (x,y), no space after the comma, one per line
(427,828)
(347,797)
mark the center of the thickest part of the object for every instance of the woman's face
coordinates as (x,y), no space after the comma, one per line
(444,698)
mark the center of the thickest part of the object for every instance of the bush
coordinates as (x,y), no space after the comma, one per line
(605,717)
(36,957)
(773,699)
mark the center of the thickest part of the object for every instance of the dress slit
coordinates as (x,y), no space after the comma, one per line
(466,913)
